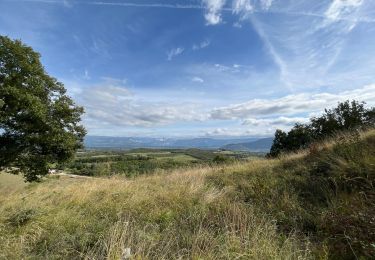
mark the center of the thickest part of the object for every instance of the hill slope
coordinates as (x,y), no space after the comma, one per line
(315,204)
(261,145)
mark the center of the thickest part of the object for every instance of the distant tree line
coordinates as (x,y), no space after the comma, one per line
(348,115)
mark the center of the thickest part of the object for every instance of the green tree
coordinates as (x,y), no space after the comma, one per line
(279,143)
(299,137)
(346,116)
(39,123)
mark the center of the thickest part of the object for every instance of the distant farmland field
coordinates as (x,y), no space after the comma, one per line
(146,161)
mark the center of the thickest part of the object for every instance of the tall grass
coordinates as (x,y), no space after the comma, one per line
(288,208)
(163,216)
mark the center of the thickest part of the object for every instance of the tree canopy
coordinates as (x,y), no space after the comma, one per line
(39,123)
(348,115)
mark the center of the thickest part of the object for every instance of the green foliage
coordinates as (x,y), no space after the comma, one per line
(222,159)
(21,217)
(126,164)
(346,116)
(39,123)
(299,137)
(278,142)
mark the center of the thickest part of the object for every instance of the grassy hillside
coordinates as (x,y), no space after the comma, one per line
(314,204)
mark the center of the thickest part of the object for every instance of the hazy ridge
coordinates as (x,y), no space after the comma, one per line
(148,142)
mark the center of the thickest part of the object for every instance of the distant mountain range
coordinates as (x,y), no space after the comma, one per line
(260,145)
(106,142)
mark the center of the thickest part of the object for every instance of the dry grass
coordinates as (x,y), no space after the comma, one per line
(253,210)
(164,216)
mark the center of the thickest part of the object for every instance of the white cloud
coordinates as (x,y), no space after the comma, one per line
(86,75)
(339,8)
(240,131)
(242,7)
(213,11)
(263,116)
(228,131)
(308,40)
(201,45)
(282,120)
(235,68)
(291,104)
(221,67)
(114,105)
(258,127)
(245,8)
(174,52)
(266,4)
(197,79)
(343,10)
(111,105)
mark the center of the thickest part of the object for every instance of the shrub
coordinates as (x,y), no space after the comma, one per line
(346,116)
(21,217)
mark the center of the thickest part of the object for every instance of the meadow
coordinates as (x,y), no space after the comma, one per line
(314,204)
(135,162)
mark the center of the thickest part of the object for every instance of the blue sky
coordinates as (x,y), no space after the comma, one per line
(201,67)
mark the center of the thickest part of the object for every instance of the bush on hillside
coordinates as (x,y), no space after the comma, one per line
(346,116)
(221,159)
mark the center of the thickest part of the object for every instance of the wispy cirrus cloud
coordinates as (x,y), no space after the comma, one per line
(306,40)
(307,48)
(243,8)
(67,3)
(201,45)
(197,79)
(214,7)
(341,8)
(266,4)
(174,52)
(86,75)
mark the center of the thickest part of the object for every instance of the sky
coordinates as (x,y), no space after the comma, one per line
(189,68)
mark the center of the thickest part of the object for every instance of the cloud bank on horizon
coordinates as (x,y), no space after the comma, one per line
(201,67)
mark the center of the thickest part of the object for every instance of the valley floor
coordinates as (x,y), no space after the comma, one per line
(315,204)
